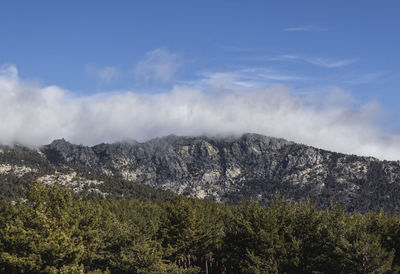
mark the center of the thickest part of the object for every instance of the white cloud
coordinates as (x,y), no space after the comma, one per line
(158,65)
(9,71)
(35,115)
(236,49)
(243,79)
(327,63)
(268,74)
(108,74)
(364,78)
(318,61)
(105,75)
(308,28)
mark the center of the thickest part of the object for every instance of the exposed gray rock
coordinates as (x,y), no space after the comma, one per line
(250,166)
(220,169)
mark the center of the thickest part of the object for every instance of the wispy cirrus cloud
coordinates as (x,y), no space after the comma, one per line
(319,61)
(269,75)
(328,63)
(305,28)
(242,79)
(158,65)
(236,49)
(364,78)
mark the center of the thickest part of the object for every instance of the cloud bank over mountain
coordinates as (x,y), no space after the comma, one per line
(34,114)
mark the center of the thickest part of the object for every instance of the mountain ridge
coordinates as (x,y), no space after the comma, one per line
(228,169)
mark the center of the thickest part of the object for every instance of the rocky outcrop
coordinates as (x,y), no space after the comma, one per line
(220,169)
(253,165)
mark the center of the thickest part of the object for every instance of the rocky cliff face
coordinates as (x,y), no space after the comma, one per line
(231,168)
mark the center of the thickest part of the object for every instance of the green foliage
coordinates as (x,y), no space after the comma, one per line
(52,231)
(191,231)
(40,235)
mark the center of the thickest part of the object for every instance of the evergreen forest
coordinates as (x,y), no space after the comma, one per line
(51,230)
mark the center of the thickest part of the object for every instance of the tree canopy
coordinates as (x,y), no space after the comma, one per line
(52,231)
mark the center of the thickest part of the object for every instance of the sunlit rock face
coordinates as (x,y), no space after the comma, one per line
(252,165)
(220,169)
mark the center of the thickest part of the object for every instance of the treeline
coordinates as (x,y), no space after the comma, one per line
(51,231)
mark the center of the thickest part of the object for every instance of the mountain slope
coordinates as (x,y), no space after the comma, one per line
(227,169)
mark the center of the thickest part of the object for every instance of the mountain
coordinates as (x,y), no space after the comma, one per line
(220,169)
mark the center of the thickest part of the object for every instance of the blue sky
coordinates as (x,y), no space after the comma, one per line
(95,48)
(55,41)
